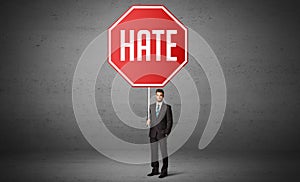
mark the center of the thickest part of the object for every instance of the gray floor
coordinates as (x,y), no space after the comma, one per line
(184,165)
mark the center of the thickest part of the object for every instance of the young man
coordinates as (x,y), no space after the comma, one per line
(160,122)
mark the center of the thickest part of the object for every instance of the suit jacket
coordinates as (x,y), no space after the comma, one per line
(162,124)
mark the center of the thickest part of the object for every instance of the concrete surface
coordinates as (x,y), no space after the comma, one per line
(256,42)
(183,166)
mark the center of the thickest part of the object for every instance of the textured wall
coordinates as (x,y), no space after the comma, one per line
(256,42)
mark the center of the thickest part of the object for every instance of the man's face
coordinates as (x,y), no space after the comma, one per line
(159,96)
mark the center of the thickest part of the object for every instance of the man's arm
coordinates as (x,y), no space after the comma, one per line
(149,117)
(169,121)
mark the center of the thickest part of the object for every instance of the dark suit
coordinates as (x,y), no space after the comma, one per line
(160,128)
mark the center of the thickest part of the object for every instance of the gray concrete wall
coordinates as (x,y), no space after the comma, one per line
(256,42)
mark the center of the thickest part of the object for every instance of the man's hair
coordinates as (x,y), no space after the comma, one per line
(160,90)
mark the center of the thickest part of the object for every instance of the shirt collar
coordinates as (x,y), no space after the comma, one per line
(160,103)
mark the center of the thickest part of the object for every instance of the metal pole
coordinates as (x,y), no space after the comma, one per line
(148,103)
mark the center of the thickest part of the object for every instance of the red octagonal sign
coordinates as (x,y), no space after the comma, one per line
(147,46)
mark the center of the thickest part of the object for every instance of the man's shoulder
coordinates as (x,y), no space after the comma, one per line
(154,104)
(168,105)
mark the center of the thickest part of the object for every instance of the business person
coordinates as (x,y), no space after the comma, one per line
(160,122)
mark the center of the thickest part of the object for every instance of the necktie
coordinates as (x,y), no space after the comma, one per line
(157,110)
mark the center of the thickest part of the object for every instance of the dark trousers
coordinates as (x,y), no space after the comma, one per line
(154,153)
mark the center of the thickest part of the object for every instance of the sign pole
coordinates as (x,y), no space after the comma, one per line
(154,24)
(148,103)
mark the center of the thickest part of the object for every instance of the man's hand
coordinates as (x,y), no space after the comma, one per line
(148,122)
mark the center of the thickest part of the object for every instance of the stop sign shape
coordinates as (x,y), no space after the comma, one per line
(147,46)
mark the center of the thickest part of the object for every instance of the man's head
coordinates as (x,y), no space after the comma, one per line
(159,95)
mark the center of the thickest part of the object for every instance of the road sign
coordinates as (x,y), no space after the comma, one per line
(147,46)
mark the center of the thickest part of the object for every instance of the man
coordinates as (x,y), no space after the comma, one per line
(160,122)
